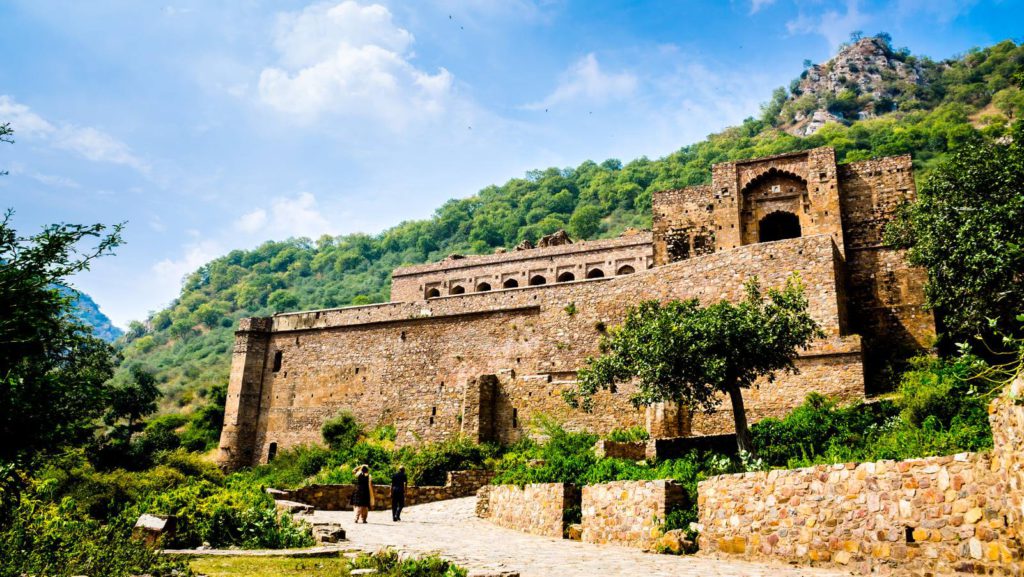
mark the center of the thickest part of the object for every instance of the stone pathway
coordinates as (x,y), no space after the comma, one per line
(450,529)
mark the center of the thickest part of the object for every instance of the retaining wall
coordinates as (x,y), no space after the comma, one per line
(338,497)
(628,513)
(538,508)
(934,516)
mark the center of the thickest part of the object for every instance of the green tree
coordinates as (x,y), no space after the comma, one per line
(52,370)
(282,300)
(585,221)
(686,353)
(967,229)
(132,400)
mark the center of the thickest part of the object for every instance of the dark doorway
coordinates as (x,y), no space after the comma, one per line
(271,452)
(483,287)
(626,269)
(595,273)
(433,293)
(778,226)
(566,277)
(457,290)
(510,283)
(538,280)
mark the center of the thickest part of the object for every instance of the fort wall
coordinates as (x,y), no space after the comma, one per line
(415,364)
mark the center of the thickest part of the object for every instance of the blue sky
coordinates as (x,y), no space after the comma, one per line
(215,125)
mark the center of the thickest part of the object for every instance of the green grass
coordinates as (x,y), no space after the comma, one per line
(270,566)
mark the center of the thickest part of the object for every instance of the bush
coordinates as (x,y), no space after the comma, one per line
(630,435)
(341,432)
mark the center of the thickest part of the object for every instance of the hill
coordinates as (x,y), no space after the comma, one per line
(910,105)
(89,313)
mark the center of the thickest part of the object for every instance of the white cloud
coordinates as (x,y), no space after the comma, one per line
(943,11)
(23,120)
(757,5)
(87,142)
(55,180)
(353,61)
(97,146)
(170,273)
(833,25)
(586,83)
(295,216)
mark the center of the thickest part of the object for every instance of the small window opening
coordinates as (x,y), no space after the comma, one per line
(538,280)
(271,452)
(566,277)
(278,359)
(510,283)
(910,534)
(626,269)
(357,370)
(457,290)
(515,418)
(483,287)
(433,293)
(431,420)
(402,335)
(595,273)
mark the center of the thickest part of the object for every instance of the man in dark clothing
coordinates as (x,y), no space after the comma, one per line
(398,481)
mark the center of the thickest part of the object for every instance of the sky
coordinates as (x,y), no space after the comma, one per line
(210,125)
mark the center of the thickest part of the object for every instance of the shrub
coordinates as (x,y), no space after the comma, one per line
(630,435)
(341,432)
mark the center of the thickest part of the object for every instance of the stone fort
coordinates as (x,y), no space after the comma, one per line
(478,345)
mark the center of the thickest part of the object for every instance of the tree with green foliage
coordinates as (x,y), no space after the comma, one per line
(342,431)
(967,230)
(685,353)
(52,370)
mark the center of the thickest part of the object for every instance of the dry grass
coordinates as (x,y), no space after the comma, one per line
(270,566)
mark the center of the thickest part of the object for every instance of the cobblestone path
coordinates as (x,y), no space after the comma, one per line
(451,529)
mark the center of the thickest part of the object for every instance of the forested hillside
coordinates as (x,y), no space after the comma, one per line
(89,313)
(188,344)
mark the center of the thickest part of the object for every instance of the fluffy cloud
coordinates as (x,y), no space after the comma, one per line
(757,5)
(833,25)
(169,273)
(87,142)
(586,83)
(299,215)
(351,60)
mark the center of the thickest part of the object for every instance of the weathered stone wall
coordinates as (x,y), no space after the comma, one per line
(568,262)
(628,513)
(632,451)
(338,497)
(886,293)
(934,516)
(409,364)
(538,509)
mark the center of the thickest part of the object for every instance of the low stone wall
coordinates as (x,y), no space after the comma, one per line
(678,447)
(628,513)
(621,450)
(338,497)
(537,508)
(934,516)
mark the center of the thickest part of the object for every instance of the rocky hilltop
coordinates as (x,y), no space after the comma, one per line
(866,78)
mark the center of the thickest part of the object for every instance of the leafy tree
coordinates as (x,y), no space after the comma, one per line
(967,229)
(52,370)
(686,353)
(342,431)
(133,400)
(585,221)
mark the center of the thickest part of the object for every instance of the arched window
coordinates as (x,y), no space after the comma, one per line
(626,269)
(595,273)
(566,277)
(510,283)
(457,290)
(433,293)
(778,225)
(538,280)
(483,287)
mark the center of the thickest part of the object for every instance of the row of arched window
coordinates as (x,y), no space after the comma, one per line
(536,280)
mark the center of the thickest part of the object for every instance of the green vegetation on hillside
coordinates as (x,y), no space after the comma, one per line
(187,345)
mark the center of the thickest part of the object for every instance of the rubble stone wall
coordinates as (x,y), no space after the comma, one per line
(628,513)
(538,509)
(409,364)
(338,497)
(934,516)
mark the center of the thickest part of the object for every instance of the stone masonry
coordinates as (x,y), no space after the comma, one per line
(934,516)
(538,509)
(628,513)
(478,345)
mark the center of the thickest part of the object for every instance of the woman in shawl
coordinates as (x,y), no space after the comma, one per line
(362,499)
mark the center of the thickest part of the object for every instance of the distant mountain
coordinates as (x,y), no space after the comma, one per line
(89,313)
(879,102)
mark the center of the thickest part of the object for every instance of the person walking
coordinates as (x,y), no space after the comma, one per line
(362,499)
(398,481)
